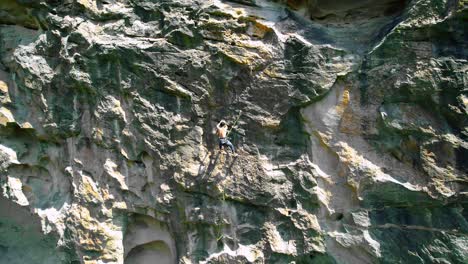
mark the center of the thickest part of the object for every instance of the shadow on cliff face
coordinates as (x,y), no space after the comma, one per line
(352,25)
(21,238)
(14,13)
(347,10)
(424,231)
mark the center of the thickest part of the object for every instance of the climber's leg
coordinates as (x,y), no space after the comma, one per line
(221,143)
(229,144)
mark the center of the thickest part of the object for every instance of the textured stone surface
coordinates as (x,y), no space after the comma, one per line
(352,131)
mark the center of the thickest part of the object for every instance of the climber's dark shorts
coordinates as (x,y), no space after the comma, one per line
(226,142)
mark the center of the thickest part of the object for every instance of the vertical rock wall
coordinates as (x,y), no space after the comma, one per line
(351,132)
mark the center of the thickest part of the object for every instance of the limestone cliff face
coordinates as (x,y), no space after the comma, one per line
(352,131)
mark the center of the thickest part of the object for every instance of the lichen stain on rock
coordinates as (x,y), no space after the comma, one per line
(352,126)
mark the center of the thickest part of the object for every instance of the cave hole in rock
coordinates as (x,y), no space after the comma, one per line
(147,240)
(153,252)
(337,216)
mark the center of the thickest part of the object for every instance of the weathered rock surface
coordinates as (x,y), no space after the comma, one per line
(352,131)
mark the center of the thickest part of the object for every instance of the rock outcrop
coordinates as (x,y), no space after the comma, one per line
(351,128)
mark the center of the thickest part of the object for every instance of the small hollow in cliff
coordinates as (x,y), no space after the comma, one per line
(146,240)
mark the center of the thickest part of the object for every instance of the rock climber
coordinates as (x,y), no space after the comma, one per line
(222,131)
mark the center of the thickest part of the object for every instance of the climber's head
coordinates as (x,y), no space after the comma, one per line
(222,123)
